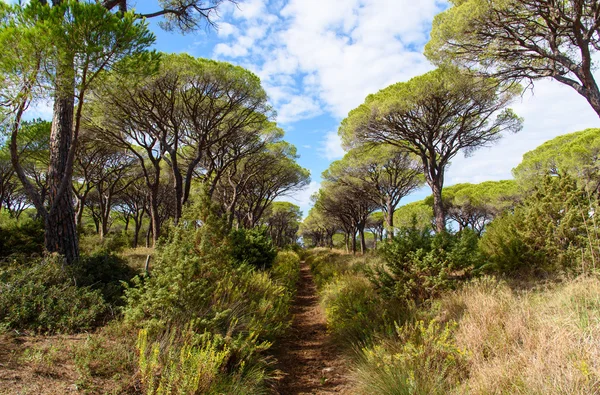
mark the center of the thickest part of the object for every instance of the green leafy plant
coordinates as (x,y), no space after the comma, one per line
(42,296)
(553,229)
(419,265)
(252,247)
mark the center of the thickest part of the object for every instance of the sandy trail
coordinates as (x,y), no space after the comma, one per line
(310,362)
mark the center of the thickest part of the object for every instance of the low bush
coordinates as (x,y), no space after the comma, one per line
(286,270)
(24,237)
(553,230)
(252,247)
(106,272)
(355,313)
(422,359)
(419,265)
(114,242)
(202,298)
(326,264)
(40,295)
(186,363)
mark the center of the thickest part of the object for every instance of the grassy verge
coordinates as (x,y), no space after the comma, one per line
(484,337)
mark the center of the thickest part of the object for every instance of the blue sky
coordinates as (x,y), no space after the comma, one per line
(318,59)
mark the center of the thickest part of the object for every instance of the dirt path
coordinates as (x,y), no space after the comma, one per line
(310,363)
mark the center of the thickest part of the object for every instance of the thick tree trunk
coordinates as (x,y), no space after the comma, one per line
(347,241)
(61,230)
(354,242)
(438,207)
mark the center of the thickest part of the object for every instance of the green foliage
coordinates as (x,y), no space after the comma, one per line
(41,296)
(91,243)
(419,265)
(107,353)
(418,214)
(252,247)
(24,237)
(423,359)
(283,220)
(553,229)
(573,154)
(106,272)
(355,313)
(197,288)
(186,363)
(286,270)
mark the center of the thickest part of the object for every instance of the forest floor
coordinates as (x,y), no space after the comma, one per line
(308,359)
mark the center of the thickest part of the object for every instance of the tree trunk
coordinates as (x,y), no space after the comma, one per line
(363,244)
(178,184)
(79,214)
(61,231)
(155,221)
(347,241)
(137,228)
(354,242)
(148,233)
(438,207)
(389,221)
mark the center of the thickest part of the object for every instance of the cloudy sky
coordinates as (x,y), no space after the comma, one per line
(318,59)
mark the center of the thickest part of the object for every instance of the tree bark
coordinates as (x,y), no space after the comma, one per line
(61,230)
(363,244)
(438,207)
(389,221)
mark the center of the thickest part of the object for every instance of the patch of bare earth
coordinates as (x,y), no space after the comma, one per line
(310,362)
(46,365)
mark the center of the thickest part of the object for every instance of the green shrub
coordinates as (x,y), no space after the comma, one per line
(186,363)
(41,296)
(114,242)
(553,229)
(423,359)
(197,286)
(25,237)
(353,309)
(253,247)
(325,264)
(106,272)
(419,265)
(286,270)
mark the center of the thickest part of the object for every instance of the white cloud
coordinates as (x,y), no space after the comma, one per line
(226,29)
(331,146)
(337,52)
(553,109)
(298,107)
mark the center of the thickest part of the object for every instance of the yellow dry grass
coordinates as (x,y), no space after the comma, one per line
(537,342)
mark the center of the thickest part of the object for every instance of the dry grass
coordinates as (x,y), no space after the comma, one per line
(542,342)
(100,363)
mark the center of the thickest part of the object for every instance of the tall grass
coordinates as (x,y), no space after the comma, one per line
(495,340)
